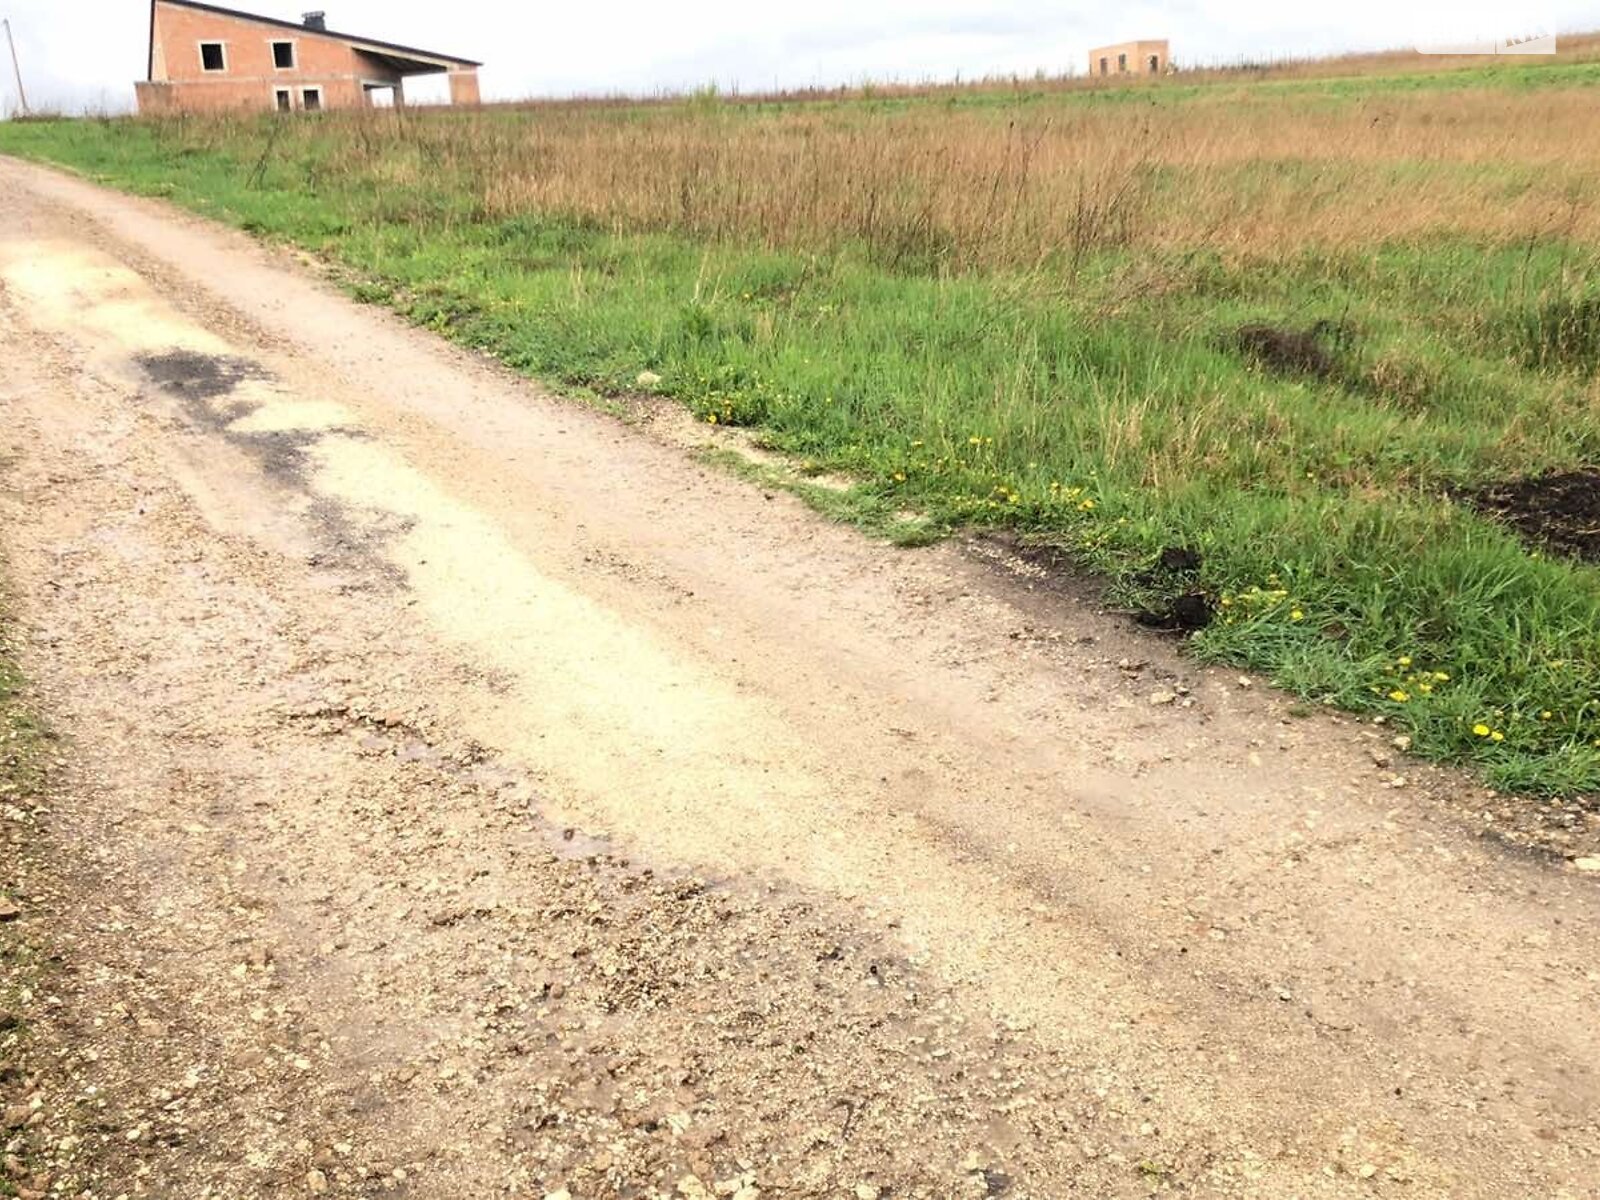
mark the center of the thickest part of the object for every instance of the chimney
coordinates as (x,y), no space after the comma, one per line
(315,20)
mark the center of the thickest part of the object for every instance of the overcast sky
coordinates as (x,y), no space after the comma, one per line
(79,54)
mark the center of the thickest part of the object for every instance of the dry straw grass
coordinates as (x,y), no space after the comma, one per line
(989,182)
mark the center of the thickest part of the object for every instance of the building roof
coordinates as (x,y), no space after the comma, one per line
(403,58)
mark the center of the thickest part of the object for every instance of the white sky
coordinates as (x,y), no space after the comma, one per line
(84,54)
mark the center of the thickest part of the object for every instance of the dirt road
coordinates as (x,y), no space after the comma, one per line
(466,794)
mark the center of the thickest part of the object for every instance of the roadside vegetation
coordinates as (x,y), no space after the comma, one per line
(1285,356)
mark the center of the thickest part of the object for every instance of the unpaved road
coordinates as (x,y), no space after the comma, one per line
(465,794)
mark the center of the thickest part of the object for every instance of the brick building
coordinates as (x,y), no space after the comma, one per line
(207,58)
(1130,58)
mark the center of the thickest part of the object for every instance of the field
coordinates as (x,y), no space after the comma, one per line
(1273,353)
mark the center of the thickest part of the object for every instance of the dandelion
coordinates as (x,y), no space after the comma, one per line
(1441,676)
(1546,715)
(1482,730)
(1400,697)
(1405,661)
(1297,615)
(899,476)
(1497,736)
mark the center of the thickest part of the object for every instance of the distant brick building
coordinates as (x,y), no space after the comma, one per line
(1130,58)
(207,58)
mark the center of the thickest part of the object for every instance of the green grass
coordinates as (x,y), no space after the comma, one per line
(1108,412)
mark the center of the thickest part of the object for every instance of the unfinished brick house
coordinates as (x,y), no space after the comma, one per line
(206,58)
(1130,58)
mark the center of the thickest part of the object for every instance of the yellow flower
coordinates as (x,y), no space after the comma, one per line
(1297,615)
(1442,676)
(899,476)
(711,418)
(1497,736)
(1481,730)
(1405,661)
(1546,715)
(1399,697)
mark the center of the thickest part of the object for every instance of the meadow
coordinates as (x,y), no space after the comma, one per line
(1250,346)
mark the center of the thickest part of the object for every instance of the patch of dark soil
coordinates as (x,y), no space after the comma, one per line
(1180,560)
(1560,512)
(1187,613)
(1284,351)
(200,376)
(1167,595)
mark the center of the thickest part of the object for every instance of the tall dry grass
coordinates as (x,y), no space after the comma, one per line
(1230,167)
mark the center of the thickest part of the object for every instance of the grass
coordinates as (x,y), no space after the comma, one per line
(1022,310)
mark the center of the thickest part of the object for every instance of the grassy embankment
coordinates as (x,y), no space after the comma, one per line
(1022,309)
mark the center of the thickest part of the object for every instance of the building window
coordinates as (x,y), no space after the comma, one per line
(213,57)
(285,99)
(311,99)
(1155,64)
(1122,63)
(283,55)
(1105,66)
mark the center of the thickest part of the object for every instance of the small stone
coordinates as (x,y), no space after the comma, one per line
(1164,698)
(563,1194)
(1402,743)
(1591,865)
(16,1115)
(316,1182)
(1380,759)
(865,1191)
(1367,1171)
(8,910)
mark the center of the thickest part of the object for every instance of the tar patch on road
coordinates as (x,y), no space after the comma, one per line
(203,385)
(201,376)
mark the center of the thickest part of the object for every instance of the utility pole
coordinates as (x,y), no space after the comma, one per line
(22,96)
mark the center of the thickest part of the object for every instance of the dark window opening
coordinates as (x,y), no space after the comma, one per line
(1155,64)
(285,101)
(283,55)
(1105,66)
(1122,63)
(211,57)
(311,99)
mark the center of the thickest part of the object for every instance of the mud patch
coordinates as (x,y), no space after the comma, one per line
(1283,351)
(1167,597)
(1559,512)
(186,373)
(261,423)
